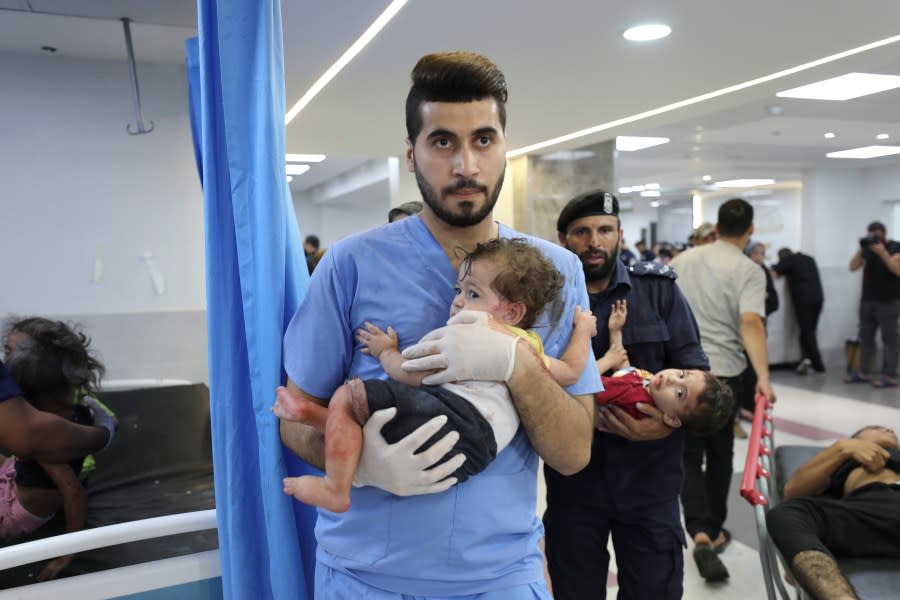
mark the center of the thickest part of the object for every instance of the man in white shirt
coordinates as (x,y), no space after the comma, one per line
(726,292)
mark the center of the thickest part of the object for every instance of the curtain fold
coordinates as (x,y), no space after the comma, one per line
(255,275)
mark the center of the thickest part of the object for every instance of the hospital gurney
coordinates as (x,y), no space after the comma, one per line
(765,473)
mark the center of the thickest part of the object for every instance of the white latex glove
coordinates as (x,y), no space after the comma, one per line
(102,418)
(396,468)
(466,349)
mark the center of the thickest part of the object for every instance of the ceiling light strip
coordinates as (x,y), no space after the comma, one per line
(701,98)
(342,62)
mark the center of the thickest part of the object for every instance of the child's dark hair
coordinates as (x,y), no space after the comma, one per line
(526,276)
(715,405)
(51,360)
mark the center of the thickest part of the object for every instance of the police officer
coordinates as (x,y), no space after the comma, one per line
(630,488)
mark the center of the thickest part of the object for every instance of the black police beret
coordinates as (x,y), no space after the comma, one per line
(589,204)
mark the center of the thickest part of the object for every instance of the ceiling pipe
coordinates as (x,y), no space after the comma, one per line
(135,89)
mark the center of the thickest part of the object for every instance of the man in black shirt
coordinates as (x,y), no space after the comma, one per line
(843,502)
(805,288)
(880,305)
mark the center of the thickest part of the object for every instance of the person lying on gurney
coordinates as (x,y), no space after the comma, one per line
(842,503)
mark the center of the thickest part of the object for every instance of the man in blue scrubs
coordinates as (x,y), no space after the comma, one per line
(479,537)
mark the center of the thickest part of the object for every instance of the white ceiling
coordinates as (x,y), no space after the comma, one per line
(567,66)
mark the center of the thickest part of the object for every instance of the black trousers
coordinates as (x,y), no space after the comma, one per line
(418,405)
(862,524)
(808,321)
(704,495)
(649,554)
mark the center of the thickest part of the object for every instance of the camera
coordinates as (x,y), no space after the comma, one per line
(867,241)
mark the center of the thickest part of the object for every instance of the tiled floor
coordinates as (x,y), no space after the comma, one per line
(812,409)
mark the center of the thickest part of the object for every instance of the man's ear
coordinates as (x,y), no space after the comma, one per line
(671,421)
(562,239)
(410,157)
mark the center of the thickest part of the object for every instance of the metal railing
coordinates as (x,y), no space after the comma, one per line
(758,468)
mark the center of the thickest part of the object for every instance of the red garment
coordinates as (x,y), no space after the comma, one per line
(624,390)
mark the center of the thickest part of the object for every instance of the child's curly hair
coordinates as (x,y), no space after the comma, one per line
(525,275)
(52,360)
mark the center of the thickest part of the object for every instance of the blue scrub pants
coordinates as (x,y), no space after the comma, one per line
(334,585)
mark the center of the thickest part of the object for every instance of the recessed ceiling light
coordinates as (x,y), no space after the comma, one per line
(376,26)
(651,186)
(830,135)
(296,169)
(568,155)
(304,158)
(845,87)
(646,33)
(702,97)
(706,178)
(628,143)
(865,152)
(654,204)
(625,190)
(882,136)
(638,188)
(742,183)
(651,194)
(290,178)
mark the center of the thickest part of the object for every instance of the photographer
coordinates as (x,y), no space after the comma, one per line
(879,306)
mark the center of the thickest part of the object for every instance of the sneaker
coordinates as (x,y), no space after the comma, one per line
(709,564)
(804,366)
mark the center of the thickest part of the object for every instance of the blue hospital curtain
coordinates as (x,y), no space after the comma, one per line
(255,274)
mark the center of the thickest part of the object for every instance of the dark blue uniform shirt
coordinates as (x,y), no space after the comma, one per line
(660,332)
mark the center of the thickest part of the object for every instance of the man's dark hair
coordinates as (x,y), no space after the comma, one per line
(453,77)
(51,361)
(866,428)
(525,275)
(735,218)
(715,405)
(784,252)
(877,226)
(312,240)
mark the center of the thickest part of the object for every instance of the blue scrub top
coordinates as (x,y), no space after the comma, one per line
(8,387)
(478,536)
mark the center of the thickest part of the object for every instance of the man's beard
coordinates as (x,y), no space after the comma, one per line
(468,217)
(599,272)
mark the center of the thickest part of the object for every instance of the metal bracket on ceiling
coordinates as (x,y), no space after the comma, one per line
(135,89)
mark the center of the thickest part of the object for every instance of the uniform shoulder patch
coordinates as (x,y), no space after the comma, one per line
(647,269)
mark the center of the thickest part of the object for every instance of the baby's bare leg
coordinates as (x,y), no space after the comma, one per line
(291,407)
(343,446)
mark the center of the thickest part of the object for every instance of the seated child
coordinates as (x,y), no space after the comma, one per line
(512,282)
(689,398)
(56,372)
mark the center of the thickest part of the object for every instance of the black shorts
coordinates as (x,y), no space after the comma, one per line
(417,405)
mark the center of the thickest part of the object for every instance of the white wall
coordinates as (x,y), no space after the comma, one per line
(838,204)
(349,203)
(78,188)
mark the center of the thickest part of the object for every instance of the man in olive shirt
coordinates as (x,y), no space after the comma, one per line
(726,292)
